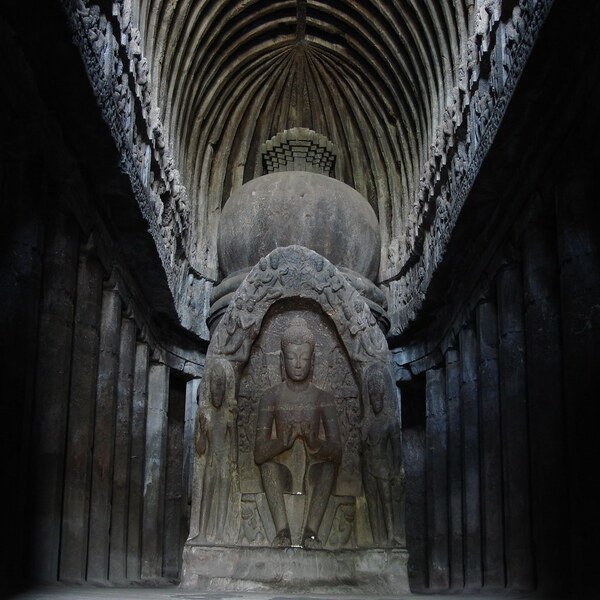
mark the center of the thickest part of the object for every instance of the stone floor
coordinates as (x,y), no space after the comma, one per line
(173,593)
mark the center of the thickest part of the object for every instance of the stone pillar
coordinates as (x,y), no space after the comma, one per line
(154,472)
(120,494)
(471,464)
(137,460)
(174,492)
(191,406)
(413,451)
(491,447)
(455,470)
(21,285)
(104,437)
(436,467)
(515,443)
(49,429)
(546,410)
(578,227)
(84,372)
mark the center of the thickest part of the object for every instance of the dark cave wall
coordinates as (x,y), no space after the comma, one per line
(93,430)
(503,367)
(95,394)
(509,413)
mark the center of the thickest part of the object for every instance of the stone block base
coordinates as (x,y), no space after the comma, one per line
(362,571)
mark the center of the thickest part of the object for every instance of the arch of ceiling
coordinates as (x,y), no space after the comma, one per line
(373,76)
(410,91)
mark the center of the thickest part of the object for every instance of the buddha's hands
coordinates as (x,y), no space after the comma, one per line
(268,449)
(289,437)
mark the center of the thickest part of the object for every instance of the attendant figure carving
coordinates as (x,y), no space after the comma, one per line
(215,439)
(298,410)
(381,452)
(238,325)
(265,282)
(336,283)
(321,278)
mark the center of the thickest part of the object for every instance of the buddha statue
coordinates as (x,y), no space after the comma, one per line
(300,411)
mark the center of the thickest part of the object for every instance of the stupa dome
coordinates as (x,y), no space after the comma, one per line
(298,207)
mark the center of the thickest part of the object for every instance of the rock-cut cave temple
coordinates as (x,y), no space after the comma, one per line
(301,295)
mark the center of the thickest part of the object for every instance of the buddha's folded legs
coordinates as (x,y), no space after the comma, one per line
(277,479)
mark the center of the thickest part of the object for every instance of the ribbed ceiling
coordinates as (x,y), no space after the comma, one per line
(373,76)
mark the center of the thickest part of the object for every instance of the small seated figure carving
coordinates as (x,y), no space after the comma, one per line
(299,409)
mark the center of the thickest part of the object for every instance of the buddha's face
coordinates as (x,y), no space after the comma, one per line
(217,387)
(297,360)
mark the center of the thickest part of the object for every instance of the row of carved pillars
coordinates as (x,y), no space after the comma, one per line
(99,419)
(498,437)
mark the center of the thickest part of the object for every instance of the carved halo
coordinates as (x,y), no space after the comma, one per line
(296,271)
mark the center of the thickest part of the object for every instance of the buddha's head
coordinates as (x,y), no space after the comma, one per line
(297,351)
(217,385)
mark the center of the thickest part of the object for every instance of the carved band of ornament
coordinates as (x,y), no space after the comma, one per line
(113,69)
(472,103)
(296,271)
(451,180)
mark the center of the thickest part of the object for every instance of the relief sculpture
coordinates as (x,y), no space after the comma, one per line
(381,454)
(298,410)
(216,442)
(297,433)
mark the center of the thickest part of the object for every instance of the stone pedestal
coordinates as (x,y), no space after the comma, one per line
(357,571)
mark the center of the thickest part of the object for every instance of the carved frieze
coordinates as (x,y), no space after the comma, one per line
(459,151)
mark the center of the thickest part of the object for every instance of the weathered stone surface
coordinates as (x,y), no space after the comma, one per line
(491,447)
(175,519)
(52,393)
(137,461)
(455,469)
(104,437)
(84,372)
(302,208)
(123,432)
(154,472)
(297,430)
(515,442)
(375,571)
(471,456)
(436,467)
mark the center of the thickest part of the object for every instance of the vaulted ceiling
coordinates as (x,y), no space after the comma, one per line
(375,76)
